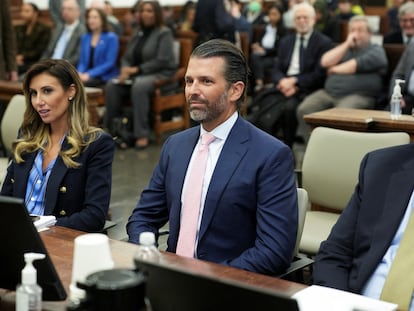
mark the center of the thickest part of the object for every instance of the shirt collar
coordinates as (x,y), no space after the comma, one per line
(223,130)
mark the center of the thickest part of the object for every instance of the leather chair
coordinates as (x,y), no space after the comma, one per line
(9,127)
(299,261)
(330,173)
(169,104)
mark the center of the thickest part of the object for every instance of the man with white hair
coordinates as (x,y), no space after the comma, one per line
(406,20)
(296,74)
(355,71)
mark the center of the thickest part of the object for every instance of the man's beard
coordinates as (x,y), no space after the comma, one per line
(210,111)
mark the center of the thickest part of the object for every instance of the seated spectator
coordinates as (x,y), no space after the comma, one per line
(149,56)
(106,6)
(65,39)
(99,50)
(112,19)
(344,10)
(369,241)
(404,71)
(187,16)
(295,75)
(264,51)
(55,11)
(61,165)
(287,16)
(326,23)
(392,16)
(254,13)
(241,23)
(355,69)
(32,37)
(406,20)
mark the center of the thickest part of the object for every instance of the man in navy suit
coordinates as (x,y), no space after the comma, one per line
(293,79)
(361,247)
(249,213)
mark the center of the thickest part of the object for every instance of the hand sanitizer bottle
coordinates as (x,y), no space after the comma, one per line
(396,100)
(29,294)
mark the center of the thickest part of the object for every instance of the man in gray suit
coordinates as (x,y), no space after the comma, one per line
(65,40)
(405,71)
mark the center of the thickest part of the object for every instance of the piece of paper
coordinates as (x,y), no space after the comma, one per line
(319,298)
(44,222)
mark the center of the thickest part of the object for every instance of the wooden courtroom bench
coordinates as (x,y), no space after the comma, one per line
(95,97)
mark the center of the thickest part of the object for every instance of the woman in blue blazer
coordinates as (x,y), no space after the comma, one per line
(61,165)
(98,50)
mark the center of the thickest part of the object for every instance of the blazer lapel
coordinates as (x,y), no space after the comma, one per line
(233,152)
(55,180)
(396,201)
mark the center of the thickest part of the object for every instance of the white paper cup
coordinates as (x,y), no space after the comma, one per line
(91,254)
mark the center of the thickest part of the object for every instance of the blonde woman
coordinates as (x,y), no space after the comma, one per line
(61,165)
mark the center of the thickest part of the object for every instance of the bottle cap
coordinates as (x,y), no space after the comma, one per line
(147,238)
(29,273)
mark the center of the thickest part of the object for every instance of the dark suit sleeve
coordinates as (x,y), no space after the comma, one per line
(335,258)
(314,75)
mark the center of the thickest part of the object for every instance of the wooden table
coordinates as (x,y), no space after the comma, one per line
(361,120)
(59,242)
(95,97)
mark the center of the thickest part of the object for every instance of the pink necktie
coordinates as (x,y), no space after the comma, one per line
(192,199)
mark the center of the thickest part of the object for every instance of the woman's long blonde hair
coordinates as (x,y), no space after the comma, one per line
(35,133)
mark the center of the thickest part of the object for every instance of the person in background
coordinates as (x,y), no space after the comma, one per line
(246,215)
(32,37)
(149,56)
(112,19)
(187,16)
(65,40)
(61,165)
(241,24)
(406,21)
(392,15)
(404,70)
(264,50)
(98,50)
(254,13)
(8,50)
(55,11)
(355,73)
(213,19)
(326,23)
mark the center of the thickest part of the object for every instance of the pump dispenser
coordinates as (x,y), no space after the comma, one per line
(396,100)
(29,294)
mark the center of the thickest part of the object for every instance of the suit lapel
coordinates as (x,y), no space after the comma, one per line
(233,152)
(54,183)
(398,194)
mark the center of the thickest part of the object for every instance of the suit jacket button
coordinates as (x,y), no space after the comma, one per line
(12,180)
(62,213)
(62,189)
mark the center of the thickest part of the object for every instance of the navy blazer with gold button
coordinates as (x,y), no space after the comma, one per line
(78,197)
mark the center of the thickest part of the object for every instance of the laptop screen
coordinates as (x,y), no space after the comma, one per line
(19,236)
(174,288)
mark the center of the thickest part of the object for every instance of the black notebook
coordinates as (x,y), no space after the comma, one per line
(18,236)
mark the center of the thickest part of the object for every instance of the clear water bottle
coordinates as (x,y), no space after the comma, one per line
(396,98)
(147,250)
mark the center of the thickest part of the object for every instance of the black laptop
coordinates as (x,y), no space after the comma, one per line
(19,236)
(175,289)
